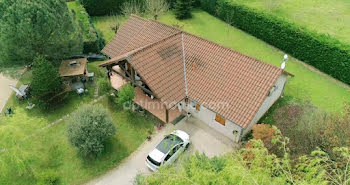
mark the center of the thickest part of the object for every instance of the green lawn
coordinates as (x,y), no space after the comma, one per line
(328,16)
(105,23)
(319,89)
(48,154)
(50,151)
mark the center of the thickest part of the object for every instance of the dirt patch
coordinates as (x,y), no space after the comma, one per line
(5,91)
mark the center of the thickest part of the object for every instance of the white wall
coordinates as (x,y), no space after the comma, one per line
(270,100)
(208,117)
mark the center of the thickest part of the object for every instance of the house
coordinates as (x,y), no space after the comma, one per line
(74,72)
(175,72)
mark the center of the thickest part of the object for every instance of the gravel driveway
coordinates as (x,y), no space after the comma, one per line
(203,139)
(5,91)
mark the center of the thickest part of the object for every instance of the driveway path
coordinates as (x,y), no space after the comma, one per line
(5,91)
(203,139)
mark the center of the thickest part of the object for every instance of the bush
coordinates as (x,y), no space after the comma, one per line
(321,51)
(104,85)
(89,128)
(46,83)
(126,94)
(183,9)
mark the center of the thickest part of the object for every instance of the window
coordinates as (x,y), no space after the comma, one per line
(173,151)
(198,107)
(220,120)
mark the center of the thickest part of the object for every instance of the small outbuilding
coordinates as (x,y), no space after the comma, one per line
(74,72)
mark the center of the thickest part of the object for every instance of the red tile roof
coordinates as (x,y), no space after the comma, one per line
(215,75)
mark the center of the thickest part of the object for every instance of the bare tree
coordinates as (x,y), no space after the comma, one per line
(156,7)
(131,7)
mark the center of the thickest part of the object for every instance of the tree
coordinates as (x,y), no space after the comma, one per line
(125,95)
(156,7)
(89,128)
(131,7)
(260,167)
(183,9)
(46,83)
(36,27)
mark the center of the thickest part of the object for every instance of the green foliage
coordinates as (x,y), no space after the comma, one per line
(48,177)
(36,27)
(183,9)
(46,84)
(209,6)
(104,7)
(255,165)
(126,94)
(89,128)
(103,85)
(321,51)
(93,41)
(156,7)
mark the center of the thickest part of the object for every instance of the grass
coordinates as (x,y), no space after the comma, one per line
(105,24)
(48,154)
(308,84)
(27,162)
(329,17)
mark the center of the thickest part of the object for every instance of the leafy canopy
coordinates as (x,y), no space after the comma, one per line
(126,94)
(36,27)
(46,84)
(89,128)
(255,165)
(183,9)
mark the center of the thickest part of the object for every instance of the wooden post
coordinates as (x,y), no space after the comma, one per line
(132,74)
(166,115)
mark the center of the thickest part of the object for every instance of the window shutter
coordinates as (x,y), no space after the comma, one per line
(220,120)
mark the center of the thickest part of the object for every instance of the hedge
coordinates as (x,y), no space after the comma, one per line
(321,51)
(103,7)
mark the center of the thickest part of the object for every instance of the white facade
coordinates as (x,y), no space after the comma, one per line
(230,129)
(275,94)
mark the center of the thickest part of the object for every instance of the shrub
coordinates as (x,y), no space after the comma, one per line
(46,83)
(89,128)
(131,7)
(104,85)
(156,7)
(321,51)
(126,94)
(183,9)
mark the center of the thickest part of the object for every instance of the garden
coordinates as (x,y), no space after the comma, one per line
(40,145)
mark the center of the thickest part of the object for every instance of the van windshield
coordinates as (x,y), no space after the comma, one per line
(153,161)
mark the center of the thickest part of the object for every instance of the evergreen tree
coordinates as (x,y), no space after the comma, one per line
(183,9)
(37,27)
(46,83)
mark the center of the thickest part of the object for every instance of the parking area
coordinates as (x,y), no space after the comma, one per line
(203,139)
